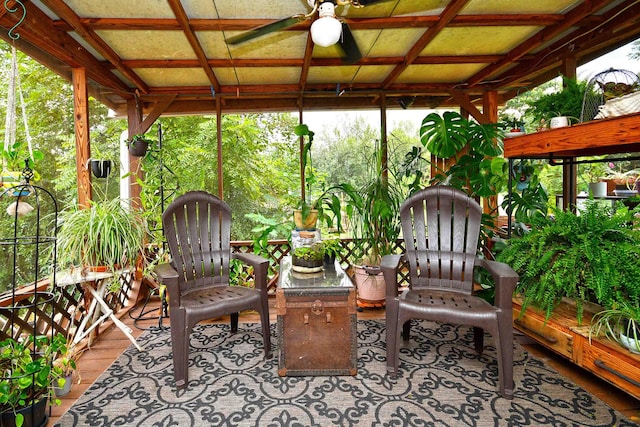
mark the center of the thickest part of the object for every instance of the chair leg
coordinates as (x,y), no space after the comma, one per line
(406,330)
(392,338)
(266,335)
(504,347)
(478,339)
(180,348)
(234,322)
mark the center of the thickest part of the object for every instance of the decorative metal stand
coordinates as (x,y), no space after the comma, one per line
(28,255)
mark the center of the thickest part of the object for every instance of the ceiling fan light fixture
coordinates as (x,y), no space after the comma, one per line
(326,30)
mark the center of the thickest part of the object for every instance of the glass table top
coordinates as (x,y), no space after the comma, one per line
(328,278)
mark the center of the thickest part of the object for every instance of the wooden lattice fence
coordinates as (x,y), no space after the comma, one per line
(65,306)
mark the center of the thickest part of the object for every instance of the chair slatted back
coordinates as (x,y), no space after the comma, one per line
(197,226)
(441,228)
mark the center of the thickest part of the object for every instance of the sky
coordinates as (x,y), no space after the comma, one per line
(318,121)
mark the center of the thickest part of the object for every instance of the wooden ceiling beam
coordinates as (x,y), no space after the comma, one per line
(183,20)
(61,9)
(614,26)
(37,30)
(354,23)
(306,63)
(449,13)
(549,33)
(313,62)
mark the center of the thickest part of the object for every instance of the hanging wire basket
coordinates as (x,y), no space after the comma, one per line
(604,86)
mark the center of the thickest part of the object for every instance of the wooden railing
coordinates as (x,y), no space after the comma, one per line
(64,307)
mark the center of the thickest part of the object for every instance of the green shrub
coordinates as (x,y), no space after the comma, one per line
(590,257)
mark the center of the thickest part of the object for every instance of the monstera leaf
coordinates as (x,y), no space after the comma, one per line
(444,135)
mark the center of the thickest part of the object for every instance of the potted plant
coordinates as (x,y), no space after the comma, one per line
(104,234)
(138,145)
(27,379)
(332,251)
(592,174)
(101,168)
(306,214)
(619,178)
(374,215)
(308,259)
(65,363)
(317,203)
(620,324)
(565,103)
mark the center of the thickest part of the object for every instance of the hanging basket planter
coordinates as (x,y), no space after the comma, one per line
(138,146)
(100,168)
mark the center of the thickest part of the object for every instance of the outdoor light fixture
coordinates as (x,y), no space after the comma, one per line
(326,30)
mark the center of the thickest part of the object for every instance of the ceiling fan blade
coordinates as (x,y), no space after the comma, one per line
(349,46)
(265,29)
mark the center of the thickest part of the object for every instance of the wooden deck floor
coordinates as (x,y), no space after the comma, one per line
(112,343)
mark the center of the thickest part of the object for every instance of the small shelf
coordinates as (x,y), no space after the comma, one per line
(606,136)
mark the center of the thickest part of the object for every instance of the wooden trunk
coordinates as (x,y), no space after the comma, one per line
(317,331)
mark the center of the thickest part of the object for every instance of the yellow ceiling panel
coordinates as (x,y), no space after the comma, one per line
(395,8)
(395,42)
(226,76)
(282,44)
(372,73)
(121,8)
(439,73)
(173,76)
(270,75)
(260,8)
(199,9)
(341,74)
(148,44)
(420,7)
(478,40)
(518,6)
(213,44)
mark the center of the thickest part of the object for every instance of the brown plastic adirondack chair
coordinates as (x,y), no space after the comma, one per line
(197,226)
(441,228)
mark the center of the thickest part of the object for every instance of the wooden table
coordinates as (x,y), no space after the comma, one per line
(316,322)
(96,283)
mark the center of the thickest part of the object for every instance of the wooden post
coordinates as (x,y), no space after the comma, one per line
(81,124)
(569,169)
(301,143)
(490,114)
(219,137)
(134,123)
(384,154)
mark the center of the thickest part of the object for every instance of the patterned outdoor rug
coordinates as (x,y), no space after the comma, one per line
(444,383)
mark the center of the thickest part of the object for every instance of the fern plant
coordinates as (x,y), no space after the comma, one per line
(591,256)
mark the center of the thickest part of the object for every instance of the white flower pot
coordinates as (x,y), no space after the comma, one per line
(598,189)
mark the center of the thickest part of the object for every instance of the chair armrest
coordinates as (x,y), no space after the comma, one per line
(168,276)
(505,279)
(260,267)
(389,267)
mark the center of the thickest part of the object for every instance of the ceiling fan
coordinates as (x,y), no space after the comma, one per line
(326,30)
